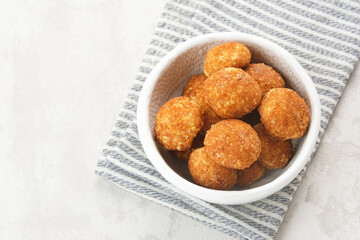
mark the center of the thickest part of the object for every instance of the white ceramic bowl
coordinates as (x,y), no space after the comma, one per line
(167,80)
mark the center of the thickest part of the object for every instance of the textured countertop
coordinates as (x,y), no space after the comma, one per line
(65,67)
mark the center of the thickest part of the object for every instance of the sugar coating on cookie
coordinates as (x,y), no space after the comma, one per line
(194,90)
(185,155)
(231,54)
(284,113)
(232,143)
(208,173)
(177,123)
(232,93)
(275,152)
(265,76)
(250,175)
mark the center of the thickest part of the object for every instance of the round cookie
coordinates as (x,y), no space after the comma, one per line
(177,123)
(265,76)
(194,90)
(231,54)
(275,152)
(284,113)
(207,173)
(250,175)
(232,93)
(232,143)
(185,155)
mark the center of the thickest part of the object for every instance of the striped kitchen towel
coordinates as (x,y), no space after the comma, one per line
(323,35)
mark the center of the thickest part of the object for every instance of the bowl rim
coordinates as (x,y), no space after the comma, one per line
(220,196)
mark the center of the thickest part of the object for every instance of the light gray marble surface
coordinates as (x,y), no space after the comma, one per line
(65,67)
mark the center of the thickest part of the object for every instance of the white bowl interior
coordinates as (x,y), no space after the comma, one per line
(187,61)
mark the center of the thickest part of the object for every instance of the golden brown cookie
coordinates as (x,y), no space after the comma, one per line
(250,174)
(232,143)
(231,54)
(275,152)
(185,155)
(265,76)
(232,93)
(207,173)
(177,123)
(284,113)
(194,90)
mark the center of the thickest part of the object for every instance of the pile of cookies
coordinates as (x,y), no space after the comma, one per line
(232,122)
